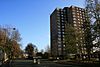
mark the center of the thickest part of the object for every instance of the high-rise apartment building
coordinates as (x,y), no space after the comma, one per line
(59,19)
(57,26)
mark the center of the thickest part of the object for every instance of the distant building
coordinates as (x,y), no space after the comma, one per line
(59,19)
(25,55)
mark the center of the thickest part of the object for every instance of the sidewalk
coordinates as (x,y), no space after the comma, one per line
(6,64)
(76,63)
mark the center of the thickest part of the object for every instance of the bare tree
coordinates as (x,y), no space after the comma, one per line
(9,39)
(93,11)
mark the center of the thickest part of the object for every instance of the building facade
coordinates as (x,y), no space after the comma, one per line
(57,31)
(59,20)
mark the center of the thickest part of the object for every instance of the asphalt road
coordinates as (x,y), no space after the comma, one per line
(30,63)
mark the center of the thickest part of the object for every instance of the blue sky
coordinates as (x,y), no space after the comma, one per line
(32,18)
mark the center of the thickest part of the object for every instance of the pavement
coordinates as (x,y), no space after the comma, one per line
(44,63)
(30,63)
(78,63)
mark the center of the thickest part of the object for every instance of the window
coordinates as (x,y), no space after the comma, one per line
(78,16)
(59,38)
(58,29)
(59,45)
(73,12)
(76,44)
(63,48)
(62,20)
(80,9)
(81,17)
(63,45)
(62,26)
(77,8)
(76,28)
(58,23)
(63,36)
(59,35)
(62,29)
(81,38)
(77,11)
(64,10)
(74,18)
(82,22)
(58,26)
(79,31)
(63,41)
(79,22)
(59,32)
(59,42)
(75,25)
(82,12)
(73,7)
(61,10)
(62,15)
(79,28)
(82,31)
(78,19)
(79,25)
(63,32)
(58,14)
(59,49)
(74,21)
(58,20)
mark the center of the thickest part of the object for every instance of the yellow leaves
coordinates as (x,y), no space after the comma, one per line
(2,37)
(15,48)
